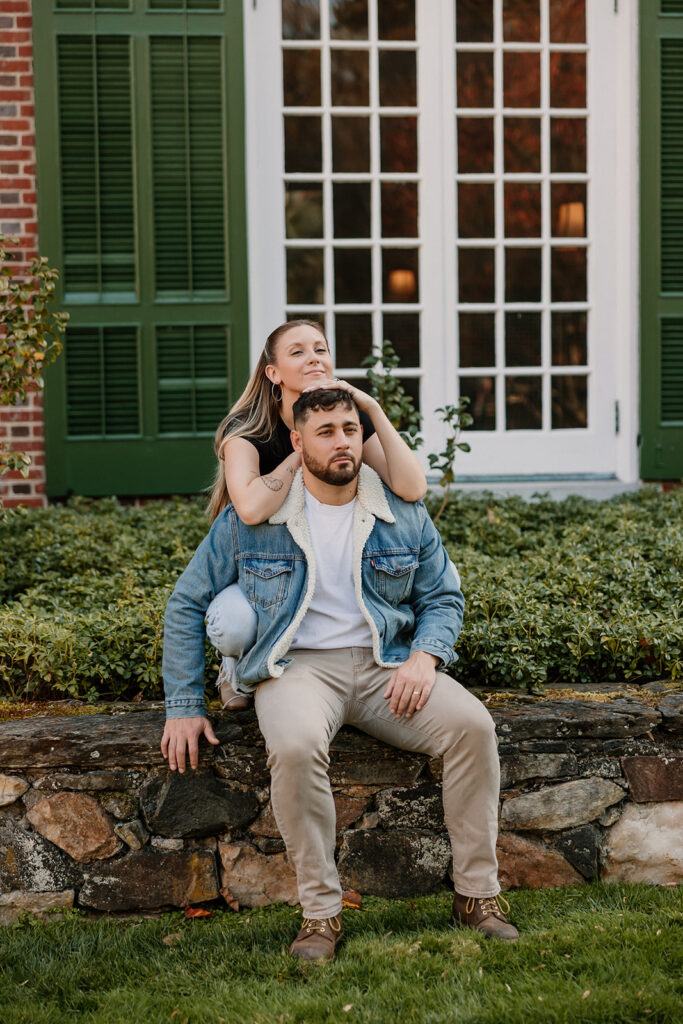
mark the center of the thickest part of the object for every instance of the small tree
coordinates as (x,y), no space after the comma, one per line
(455,417)
(30,336)
(391,394)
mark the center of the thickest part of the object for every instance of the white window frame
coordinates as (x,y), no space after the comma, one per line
(612,236)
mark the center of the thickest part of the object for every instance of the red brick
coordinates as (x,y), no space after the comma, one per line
(16,35)
(27,140)
(25,51)
(15,64)
(14,124)
(15,95)
(16,7)
(8,81)
(27,110)
(25,22)
(9,168)
(29,169)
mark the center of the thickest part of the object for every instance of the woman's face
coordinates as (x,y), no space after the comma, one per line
(302,359)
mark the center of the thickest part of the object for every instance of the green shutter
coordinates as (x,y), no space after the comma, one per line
(140,138)
(661,239)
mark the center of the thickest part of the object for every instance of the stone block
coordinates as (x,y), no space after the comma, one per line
(93,740)
(671,710)
(90,781)
(645,845)
(76,824)
(14,904)
(515,768)
(393,863)
(194,804)
(576,718)
(148,880)
(654,779)
(348,808)
(30,863)
(256,880)
(580,846)
(11,788)
(527,864)
(357,759)
(133,833)
(120,805)
(418,807)
(561,806)
(165,843)
(266,844)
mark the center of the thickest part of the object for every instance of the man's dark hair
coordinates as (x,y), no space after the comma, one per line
(321,398)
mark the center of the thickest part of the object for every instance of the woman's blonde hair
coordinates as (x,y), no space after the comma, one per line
(255,413)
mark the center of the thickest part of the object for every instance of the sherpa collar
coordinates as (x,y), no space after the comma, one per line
(371,497)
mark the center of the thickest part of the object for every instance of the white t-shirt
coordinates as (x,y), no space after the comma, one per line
(333,618)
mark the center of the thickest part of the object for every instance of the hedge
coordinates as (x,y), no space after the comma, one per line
(566,592)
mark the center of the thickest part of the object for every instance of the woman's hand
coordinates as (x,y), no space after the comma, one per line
(364,401)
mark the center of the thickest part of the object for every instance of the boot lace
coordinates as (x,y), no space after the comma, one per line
(311,925)
(488,905)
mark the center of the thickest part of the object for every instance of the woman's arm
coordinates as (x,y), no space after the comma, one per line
(256,497)
(387,453)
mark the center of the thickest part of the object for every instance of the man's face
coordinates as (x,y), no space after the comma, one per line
(331,444)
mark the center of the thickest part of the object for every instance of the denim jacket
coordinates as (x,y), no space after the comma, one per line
(406,588)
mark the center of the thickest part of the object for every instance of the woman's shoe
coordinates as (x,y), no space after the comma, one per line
(230,698)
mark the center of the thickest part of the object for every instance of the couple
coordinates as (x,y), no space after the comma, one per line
(356,606)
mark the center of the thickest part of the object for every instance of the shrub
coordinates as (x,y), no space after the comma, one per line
(556,592)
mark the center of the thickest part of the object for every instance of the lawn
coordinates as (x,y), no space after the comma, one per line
(593,954)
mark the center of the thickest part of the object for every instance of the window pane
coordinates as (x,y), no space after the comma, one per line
(567,21)
(397,78)
(568,144)
(523,339)
(521,21)
(400,279)
(569,402)
(305,275)
(398,143)
(301,19)
(353,338)
(303,145)
(403,331)
(351,202)
(396,19)
(474,21)
(476,211)
(522,210)
(569,339)
(481,392)
(399,209)
(350,144)
(476,275)
(350,82)
(474,79)
(568,274)
(523,410)
(304,209)
(301,78)
(352,275)
(475,145)
(568,210)
(521,79)
(521,144)
(348,19)
(477,339)
(567,79)
(522,275)
(314,315)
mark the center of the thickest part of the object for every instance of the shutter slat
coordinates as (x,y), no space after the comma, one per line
(672,370)
(672,164)
(192,368)
(102,381)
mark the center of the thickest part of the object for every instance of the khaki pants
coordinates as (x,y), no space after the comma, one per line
(300,713)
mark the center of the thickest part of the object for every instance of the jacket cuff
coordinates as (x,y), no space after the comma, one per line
(179,707)
(436,647)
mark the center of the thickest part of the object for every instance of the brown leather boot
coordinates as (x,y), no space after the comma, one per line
(318,939)
(484,914)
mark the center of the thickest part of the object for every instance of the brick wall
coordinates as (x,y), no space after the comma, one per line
(22,426)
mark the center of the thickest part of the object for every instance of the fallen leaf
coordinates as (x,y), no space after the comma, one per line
(172,940)
(480,972)
(348,1007)
(544,951)
(23,983)
(538,967)
(441,976)
(197,912)
(658,932)
(174,1013)
(137,698)
(508,987)
(599,928)
(568,956)
(586,994)
(351,899)
(540,999)
(387,935)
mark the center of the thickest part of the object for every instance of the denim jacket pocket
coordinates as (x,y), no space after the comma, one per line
(394,575)
(267,581)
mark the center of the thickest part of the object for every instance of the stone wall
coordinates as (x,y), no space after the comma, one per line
(91,816)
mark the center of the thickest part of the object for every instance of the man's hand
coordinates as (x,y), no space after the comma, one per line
(181,733)
(411,683)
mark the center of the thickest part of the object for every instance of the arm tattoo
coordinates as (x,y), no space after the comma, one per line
(272,483)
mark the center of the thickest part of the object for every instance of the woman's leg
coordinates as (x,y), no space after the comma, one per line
(231,628)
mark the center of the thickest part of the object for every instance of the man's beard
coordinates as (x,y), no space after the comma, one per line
(336,473)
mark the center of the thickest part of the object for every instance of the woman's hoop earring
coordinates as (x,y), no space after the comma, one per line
(276,398)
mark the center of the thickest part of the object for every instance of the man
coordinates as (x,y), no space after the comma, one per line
(357,607)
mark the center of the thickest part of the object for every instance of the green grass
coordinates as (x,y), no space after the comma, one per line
(591,954)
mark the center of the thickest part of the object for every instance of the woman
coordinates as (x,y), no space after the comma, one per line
(257,464)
